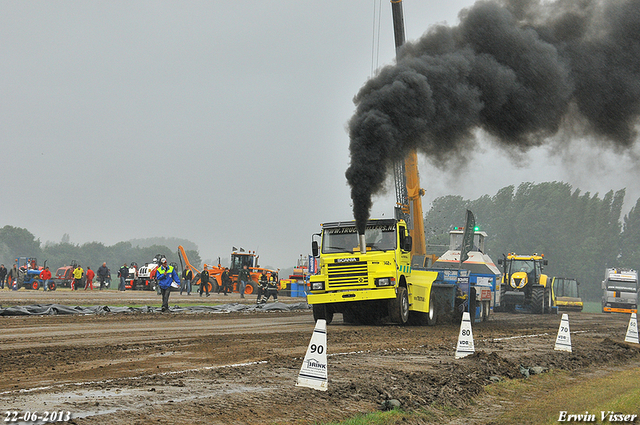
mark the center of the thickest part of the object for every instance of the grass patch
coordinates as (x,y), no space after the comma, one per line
(592,307)
(536,400)
(391,417)
(540,399)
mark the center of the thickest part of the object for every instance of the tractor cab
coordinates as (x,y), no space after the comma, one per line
(241,259)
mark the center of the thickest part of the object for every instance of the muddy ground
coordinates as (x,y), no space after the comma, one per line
(241,368)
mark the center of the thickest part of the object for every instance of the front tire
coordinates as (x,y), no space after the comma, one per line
(399,308)
(321,311)
(537,300)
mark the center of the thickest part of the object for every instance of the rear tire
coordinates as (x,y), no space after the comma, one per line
(399,308)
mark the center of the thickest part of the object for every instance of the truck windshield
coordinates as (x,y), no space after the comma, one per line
(345,239)
(622,285)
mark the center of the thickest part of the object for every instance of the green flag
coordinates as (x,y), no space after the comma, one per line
(467,237)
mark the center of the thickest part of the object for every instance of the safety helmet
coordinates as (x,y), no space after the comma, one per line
(163,260)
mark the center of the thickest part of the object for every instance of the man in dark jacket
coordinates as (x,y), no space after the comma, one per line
(204,281)
(243,277)
(226,281)
(124,274)
(3,275)
(103,275)
(187,275)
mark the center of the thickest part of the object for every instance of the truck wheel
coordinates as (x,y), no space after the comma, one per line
(432,315)
(399,308)
(486,309)
(250,288)
(52,286)
(321,311)
(34,285)
(537,300)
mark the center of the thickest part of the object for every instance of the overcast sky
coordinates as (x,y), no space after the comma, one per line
(220,122)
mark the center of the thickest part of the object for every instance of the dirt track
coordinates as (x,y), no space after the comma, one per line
(242,367)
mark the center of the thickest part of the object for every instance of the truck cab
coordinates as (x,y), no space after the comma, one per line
(368,277)
(620,291)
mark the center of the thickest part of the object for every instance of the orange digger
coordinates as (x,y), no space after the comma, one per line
(239,259)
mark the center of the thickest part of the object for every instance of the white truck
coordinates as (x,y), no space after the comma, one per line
(620,291)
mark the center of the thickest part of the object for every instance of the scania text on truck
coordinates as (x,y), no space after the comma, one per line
(620,291)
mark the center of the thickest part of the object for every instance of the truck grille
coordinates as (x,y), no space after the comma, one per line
(346,275)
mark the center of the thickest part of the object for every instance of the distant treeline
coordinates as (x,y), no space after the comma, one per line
(16,242)
(580,234)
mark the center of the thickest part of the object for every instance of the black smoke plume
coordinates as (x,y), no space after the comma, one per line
(520,70)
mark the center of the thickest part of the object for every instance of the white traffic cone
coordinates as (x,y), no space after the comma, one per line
(563,341)
(313,373)
(465,338)
(632,330)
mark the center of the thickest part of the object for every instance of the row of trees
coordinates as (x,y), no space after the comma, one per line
(15,242)
(580,234)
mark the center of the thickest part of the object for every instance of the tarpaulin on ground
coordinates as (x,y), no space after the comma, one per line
(51,309)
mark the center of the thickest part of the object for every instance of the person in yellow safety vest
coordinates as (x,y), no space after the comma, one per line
(78,272)
(166,275)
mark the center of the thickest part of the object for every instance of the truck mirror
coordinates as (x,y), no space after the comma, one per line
(314,248)
(408,243)
(545,262)
(499,261)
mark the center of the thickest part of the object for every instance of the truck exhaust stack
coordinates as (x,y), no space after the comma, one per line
(363,243)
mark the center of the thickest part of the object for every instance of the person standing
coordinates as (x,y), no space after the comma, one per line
(187,276)
(103,274)
(204,281)
(3,275)
(90,276)
(244,277)
(262,286)
(166,275)
(226,282)
(78,272)
(272,289)
(45,276)
(124,274)
(12,281)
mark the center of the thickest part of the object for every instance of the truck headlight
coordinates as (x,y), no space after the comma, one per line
(317,286)
(384,281)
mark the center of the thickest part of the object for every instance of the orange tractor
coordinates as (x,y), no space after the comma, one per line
(239,259)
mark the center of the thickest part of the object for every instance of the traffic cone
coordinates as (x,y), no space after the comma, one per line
(465,337)
(563,340)
(632,330)
(313,373)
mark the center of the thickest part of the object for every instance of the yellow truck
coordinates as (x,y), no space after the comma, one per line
(369,277)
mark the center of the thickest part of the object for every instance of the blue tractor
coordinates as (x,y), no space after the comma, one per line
(29,274)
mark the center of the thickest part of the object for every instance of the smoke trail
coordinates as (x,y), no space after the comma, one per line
(519,70)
